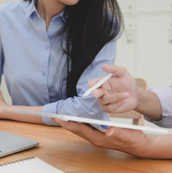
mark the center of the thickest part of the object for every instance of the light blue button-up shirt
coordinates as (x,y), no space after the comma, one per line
(31,58)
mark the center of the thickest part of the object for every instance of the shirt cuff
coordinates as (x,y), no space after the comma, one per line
(165,122)
(165,98)
(49,108)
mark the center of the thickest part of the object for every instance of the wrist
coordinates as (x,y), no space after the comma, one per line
(142,147)
(4,111)
(141,99)
(157,147)
(149,104)
(148,147)
(153,147)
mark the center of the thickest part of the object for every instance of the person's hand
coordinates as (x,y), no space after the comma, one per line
(129,141)
(119,94)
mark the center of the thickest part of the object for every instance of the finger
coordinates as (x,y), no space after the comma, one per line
(53,120)
(91,134)
(76,128)
(71,126)
(126,135)
(85,131)
(110,99)
(123,108)
(91,126)
(110,131)
(98,93)
(121,133)
(118,71)
(94,81)
(112,107)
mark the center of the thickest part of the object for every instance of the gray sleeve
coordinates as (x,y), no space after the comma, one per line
(165,97)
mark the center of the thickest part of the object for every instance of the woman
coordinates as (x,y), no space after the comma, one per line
(121,94)
(49,50)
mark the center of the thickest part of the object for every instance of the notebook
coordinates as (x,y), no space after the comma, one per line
(93,121)
(29,165)
(10,143)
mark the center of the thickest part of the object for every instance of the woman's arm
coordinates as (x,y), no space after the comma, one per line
(76,106)
(6,112)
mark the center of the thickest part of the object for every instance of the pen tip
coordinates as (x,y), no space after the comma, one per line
(86,94)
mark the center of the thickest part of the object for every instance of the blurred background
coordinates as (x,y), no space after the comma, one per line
(145,47)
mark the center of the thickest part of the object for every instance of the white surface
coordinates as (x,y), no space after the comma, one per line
(145,48)
(33,165)
(93,121)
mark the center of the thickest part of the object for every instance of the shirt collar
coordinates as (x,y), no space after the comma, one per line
(31,8)
(61,15)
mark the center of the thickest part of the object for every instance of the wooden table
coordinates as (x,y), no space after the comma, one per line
(72,154)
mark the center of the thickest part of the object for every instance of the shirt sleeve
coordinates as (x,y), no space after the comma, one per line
(85,106)
(165,97)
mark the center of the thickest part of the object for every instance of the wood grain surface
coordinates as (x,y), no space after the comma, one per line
(72,154)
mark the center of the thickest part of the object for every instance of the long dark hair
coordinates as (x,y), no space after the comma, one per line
(90,24)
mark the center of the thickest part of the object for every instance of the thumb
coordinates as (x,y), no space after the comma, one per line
(120,133)
(118,71)
(110,131)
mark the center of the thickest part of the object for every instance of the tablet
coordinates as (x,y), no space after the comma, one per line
(93,121)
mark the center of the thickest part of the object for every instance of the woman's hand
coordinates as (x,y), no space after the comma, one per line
(130,141)
(119,94)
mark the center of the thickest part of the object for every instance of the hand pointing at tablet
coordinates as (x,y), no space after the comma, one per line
(121,94)
(118,94)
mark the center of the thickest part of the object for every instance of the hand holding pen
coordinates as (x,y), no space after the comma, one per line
(119,93)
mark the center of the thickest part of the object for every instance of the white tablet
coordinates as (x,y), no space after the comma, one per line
(93,121)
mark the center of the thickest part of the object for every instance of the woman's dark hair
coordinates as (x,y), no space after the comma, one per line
(90,24)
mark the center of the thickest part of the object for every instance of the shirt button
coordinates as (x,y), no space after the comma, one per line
(43,73)
(46,100)
(47,46)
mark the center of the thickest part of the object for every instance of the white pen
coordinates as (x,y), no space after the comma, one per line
(100,83)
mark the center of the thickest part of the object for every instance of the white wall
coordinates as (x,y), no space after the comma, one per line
(145,48)
(6,1)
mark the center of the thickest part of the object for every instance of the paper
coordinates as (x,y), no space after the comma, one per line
(30,165)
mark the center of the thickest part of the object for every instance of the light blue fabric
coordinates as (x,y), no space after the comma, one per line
(31,57)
